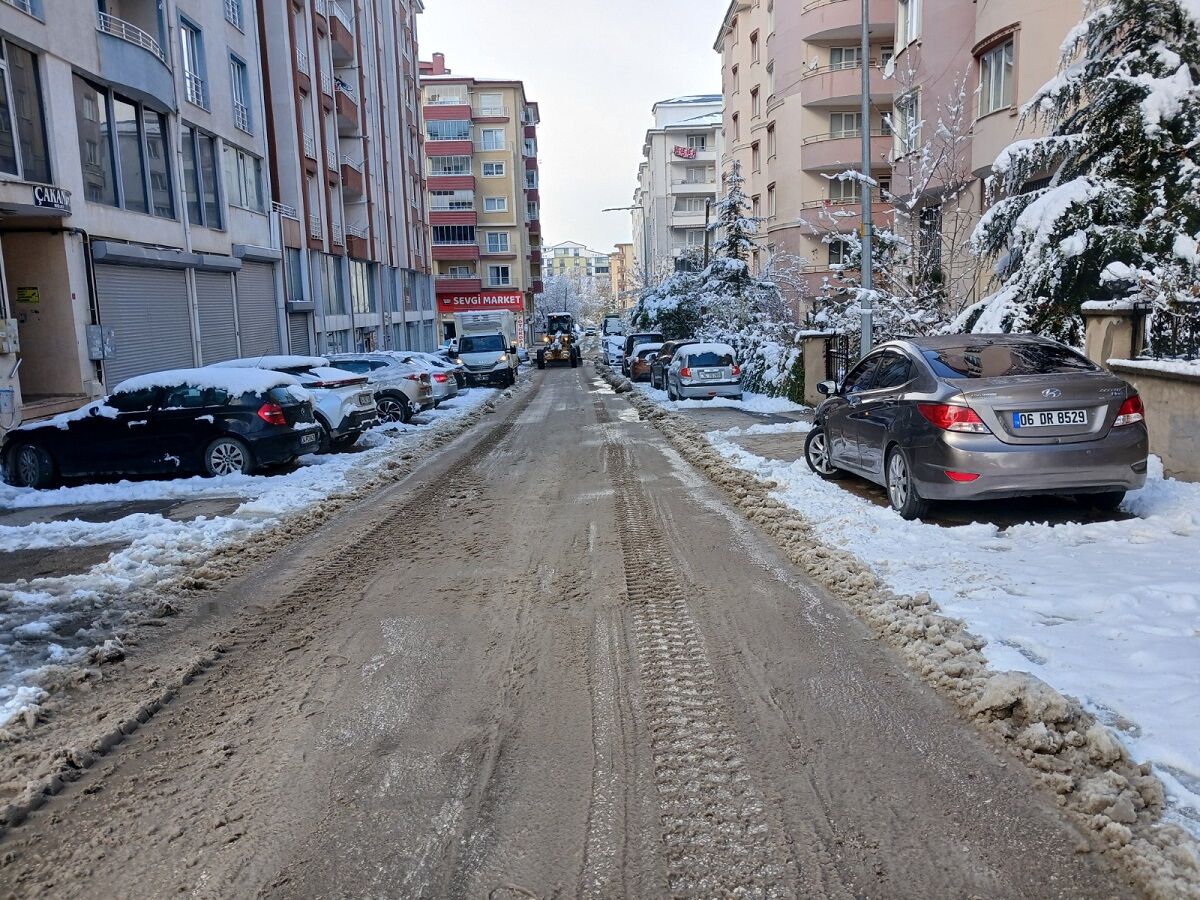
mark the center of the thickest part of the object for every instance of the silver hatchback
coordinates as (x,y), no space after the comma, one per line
(972,417)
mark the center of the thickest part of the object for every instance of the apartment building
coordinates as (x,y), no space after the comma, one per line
(482,181)
(678,179)
(347,179)
(135,223)
(622,275)
(792,86)
(570,258)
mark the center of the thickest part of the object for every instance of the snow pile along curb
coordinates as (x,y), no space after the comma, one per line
(1118,801)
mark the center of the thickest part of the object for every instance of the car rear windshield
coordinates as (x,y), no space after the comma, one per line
(488,343)
(998,360)
(710,359)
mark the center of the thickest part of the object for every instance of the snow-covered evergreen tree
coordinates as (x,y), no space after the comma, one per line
(1122,212)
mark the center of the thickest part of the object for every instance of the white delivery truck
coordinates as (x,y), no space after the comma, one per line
(487,346)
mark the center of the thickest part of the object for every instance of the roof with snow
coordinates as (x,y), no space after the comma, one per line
(693,98)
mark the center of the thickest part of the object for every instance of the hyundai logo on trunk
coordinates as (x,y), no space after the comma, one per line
(1051,393)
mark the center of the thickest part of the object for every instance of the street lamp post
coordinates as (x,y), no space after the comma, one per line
(866,300)
(645,235)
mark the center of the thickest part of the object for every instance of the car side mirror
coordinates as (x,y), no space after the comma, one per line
(512,349)
(827,388)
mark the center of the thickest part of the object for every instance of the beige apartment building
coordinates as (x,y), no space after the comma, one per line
(791,78)
(345,157)
(623,280)
(482,181)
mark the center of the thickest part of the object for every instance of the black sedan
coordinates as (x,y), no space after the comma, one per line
(214,421)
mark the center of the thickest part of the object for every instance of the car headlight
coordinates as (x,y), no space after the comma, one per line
(503,358)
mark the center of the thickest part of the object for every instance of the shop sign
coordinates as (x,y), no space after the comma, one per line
(452,303)
(29,295)
(52,198)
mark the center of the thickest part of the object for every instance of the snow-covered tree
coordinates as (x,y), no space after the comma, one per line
(560,294)
(1121,215)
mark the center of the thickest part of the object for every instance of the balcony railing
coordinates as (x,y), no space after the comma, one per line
(302,60)
(499,282)
(345,87)
(314,227)
(455,242)
(288,212)
(337,234)
(197,89)
(326,82)
(850,65)
(455,206)
(355,164)
(855,133)
(126,31)
(241,116)
(320,8)
(346,18)
(442,276)
(358,231)
(490,112)
(310,146)
(446,101)
(331,158)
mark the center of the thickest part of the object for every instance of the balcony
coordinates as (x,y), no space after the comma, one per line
(352,176)
(125,50)
(507,251)
(531,163)
(303,71)
(841,20)
(708,155)
(358,244)
(695,188)
(449,148)
(346,104)
(490,114)
(841,150)
(452,284)
(531,131)
(341,33)
(534,226)
(845,216)
(465,250)
(535,257)
(842,86)
(446,111)
(453,217)
(532,195)
(687,219)
(493,146)
(451,182)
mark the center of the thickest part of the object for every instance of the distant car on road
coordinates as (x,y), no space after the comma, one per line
(643,356)
(443,374)
(168,423)
(981,416)
(658,368)
(702,371)
(589,332)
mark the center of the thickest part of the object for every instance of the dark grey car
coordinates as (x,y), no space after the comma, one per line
(970,417)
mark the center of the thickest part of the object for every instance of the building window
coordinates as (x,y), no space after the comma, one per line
(736,81)
(756,206)
(694,237)
(493,170)
(243,179)
(495,204)
(908,122)
(530,147)
(691,204)
(754,53)
(531,211)
(158,163)
(239,80)
(295,275)
(194,78)
(996,79)
(23,150)
(755,103)
(233,13)
(845,124)
(454,234)
(200,178)
(908,21)
(497,242)
(362,294)
(737,127)
(491,105)
(755,157)
(333,291)
(839,252)
(696,175)
(771,201)
(449,165)
(697,142)
(771,146)
(531,180)
(499,276)
(845,190)
(459,272)
(448,130)
(455,201)
(491,139)
(845,57)
(446,95)
(129,152)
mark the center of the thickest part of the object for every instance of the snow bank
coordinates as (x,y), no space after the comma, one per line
(755,403)
(1169,366)
(49,623)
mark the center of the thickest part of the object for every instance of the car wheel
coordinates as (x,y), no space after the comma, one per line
(541,360)
(324,438)
(30,466)
(393,409)
(574,361)
(818,457)
(671,393)
(227,456)
(901,489)
(1109,501)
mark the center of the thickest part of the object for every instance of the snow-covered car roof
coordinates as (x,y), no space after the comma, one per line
(643,349)
(330,373)
(697,349)
(273,362)
(232,380)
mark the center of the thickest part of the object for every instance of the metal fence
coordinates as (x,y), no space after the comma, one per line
(1174,335)
(841,352)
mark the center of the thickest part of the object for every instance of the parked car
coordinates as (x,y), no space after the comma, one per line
(643,356)
(590,331)
(523,355)
(402,389)
(613,349)
(658,368)
(443,375)
(633,340)
(968,417)
(169,423)
(458,368)
(343,402)
(701,371)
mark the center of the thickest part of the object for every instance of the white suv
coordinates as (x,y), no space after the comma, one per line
(402,388)
(343,403)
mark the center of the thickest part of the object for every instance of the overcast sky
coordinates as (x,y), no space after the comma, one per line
(595,67)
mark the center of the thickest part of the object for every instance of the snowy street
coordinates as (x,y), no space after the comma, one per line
(551,660)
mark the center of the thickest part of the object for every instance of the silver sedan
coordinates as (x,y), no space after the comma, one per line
(971,417)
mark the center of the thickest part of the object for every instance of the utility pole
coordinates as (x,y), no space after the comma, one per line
(707,233)
(866,300)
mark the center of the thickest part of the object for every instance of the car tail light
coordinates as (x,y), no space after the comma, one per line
(412,377)
(949,417)
(440,377)
(272,414)
(737,370)
(685,372)
(961,477)
(1131,412)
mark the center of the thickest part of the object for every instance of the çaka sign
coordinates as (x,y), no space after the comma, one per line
(452,303)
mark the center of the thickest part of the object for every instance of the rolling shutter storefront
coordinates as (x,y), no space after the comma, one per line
(218,326)
(257,310)
(298,334)
(148,309)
